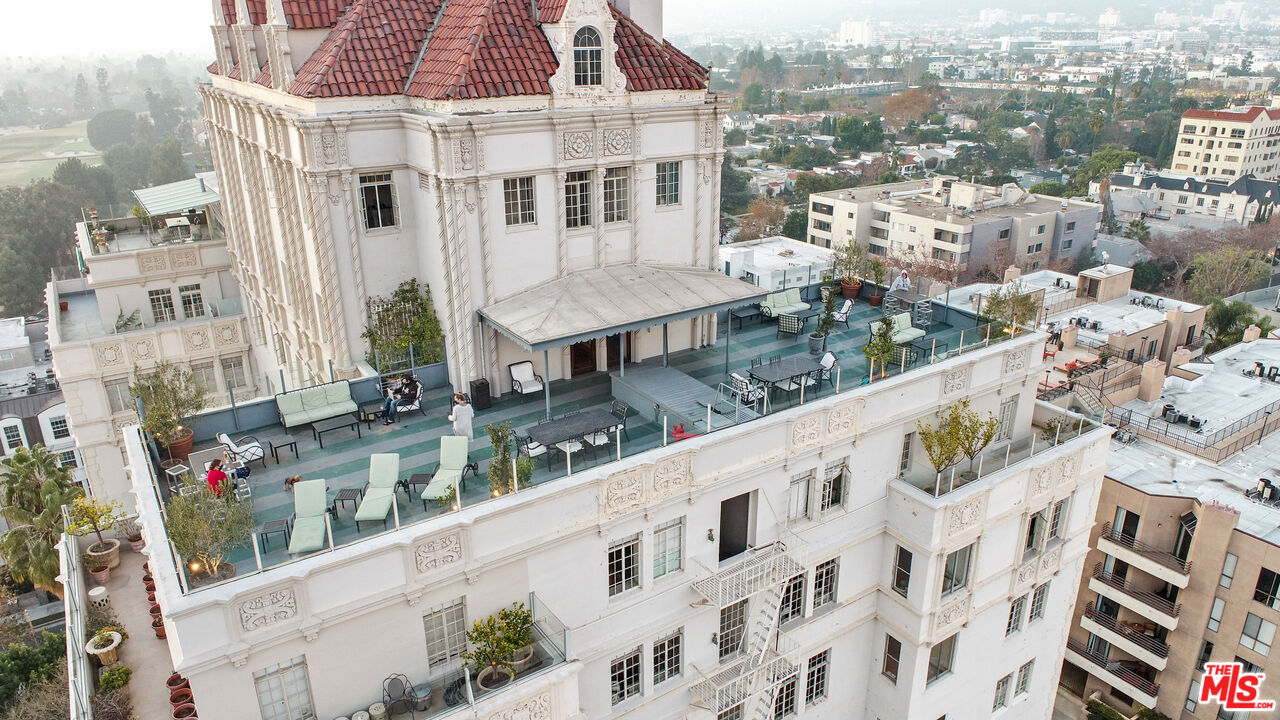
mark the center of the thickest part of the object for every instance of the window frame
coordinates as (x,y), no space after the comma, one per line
(799,492)
(891,664)
(733,624)
(668,657)
(296,707)
(68,459)
(114,397)
(1003,686)
(667,192)
(1269,596)
(451,643)
(199,371)
(626,677)
(1017,608)
(817,672)
(377,182)
(940,667)
(234,371)
(617,195)
(1255,642)
(191,298)
(834,487)
(1228,575)
(577,199)
(162,308)
(60,427)
(1023,685)
(520,200)
(626,566)
(791,606)
(1216,608)
(901,582)
(951,580)
(588,59)
(784,700)
(826,579)
(663,534)
(1039,600)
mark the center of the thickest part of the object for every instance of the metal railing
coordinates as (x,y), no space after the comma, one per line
(741,679)
(80,675)
(1142,640)
(1159,602)
(1126,675)
(1204,446)
(1189,437)
(1151,552)
(764,566)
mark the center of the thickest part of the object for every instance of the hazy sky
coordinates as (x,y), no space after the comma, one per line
(105,27)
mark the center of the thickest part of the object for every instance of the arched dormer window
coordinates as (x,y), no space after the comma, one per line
(587,49)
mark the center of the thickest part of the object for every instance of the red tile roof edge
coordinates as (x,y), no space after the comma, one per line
(1244,116)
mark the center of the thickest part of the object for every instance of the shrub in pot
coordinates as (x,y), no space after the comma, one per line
(97,567)
(157,624)
(104,646)
(205,527)
(114,678)
(131,531)
(517,629)
(93,515)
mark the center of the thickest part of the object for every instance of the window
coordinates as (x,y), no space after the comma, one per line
(792,599)
(1266,592)
(1193,696)
(378,198)
(624,676)
(1035,535)
(733,713)
(1004,234)
(955,574)
(1206,652)
(784,702)
(668,547)
(825,577)
(815,687)
(192,302)
(892,657)
(517,201)
(204,375)
(1039,247)
(283,691)
(798,496)
(60,428)
(1039,598)
(1024,678)
(941,656)
(1057,518)
(161,305)
(118,397)
(1066,244)
(624,565)
(821,208)
(1215,614)
(67,459)
(901,570)
(669,184)
(233,371)
(587,68)
(733,624)
(1228,571)
(577,199)
(1040,230)
(1071,226)
(1016,609)
(1002,692)
(904,456)
(833,485)
(1258,634)
(617,180)
(667,654)
(446,630)
(1008,411)
(822,225)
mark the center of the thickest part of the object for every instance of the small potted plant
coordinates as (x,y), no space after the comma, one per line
(132,533)
(489,651)
(878,271)
(157,624)
(97,567)
(1104,355)
(827,321)
(92,515)
(524,470)
(170,394)
(517,627)
(114,678)
(500,437)
(850,263)
(104,645)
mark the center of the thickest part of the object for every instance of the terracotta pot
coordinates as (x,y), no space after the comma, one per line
(150,586)
(155,612)
(101,576)
(158,626)
(147,578)
(151,598)
(63,304)
(138,545)
(875,300)
(181,696)
(850,290)
(146,568)
(185,711)
(179,449)
(108,550)
(176,682)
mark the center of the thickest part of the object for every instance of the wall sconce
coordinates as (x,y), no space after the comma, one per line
(711,535)
(715,639)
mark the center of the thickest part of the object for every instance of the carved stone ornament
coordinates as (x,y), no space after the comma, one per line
(1068,469)
(152,262)
(1049,563)
(1026,574)
(1015,361)
(1042,481)
(268,609)
(464,154)
(577,145)
(110,355)
(624,491)
(955,381)
(334,191)
(673,474)
(965,516)
(328,143)
(704,169)
(953,614)
(806,432)
(183,258)
(617,142)
(708,134)
(845,419)
(196,340)
(226,334)
(438,552)
(535,708)
(142,349)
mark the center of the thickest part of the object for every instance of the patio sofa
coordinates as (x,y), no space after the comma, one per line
(315,403)
(380,491)
(901,328)
(781,303)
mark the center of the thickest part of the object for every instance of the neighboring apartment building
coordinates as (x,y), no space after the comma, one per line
(1229,144)
(1185,567)
(949,220)
(32,411)
(1139,191)
(151,291)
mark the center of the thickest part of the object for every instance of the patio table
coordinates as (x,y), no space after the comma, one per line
(574,427)
(785,369)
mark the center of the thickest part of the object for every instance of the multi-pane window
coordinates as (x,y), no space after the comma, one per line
(233,371)
(668,547)
(624,565)
(12,437)
(67,459)
(192,301)
(733,713)
(577,199)
(941,656)
(204,375)
(733,625)
(1267,590)
(1016,608)
(517,201)
(1035,535)
(1215,613)
(667,657)
(1193,696)
(892,657)
(904,457)
(902,571)
(1024,678)
(798,496)
(815,687)
(955,574)
(624,676)
(59,427)
(784,702)
(1228,571)
(792,599)
(1057,519)
(378,201)
(833,485)
(587,52)
(669,183)
(1008,410)
(118,397)
(1258,634)
(1206,652)
(446,631)
(1002,692)
(283,691)
(825,577)
(617,183)
(1039,598)
(161,305)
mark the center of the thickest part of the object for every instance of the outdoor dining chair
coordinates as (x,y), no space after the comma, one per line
(828,363)
(842,315)
(746,391)
(621,410)
(531,449)
(524,381)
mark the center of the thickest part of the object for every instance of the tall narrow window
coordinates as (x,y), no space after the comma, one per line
(798,496)
(733,625)
(161,305)
(892,657)
(902,571)
(792,605)
(624,676)
(955,574)
(815,687)
(1267,591)
(1016,608)
(669,183)
(1228,571)
(624,565)
(825,577)
(904,457)
(833,485)
(1258,634)
(1008,411)
(1024,678)
(118,397)
(587,53)
(617,183)
(204,375)
(283,691)
(577,199)
(668,547)
(378,201)
(12,437)
(192,302)
(784,702)
(446,630)
(1002,692)
(1057,519)
(517,201)
(941,656)
(667,657)
(1039,599)
(1215,614)
(233,371)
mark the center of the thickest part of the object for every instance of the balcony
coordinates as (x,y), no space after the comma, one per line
(1147,604)
(1148,649)
(1147,558)
(762,568)
(1118,675)
(742,680)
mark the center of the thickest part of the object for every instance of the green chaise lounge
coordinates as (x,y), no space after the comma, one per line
(380,491)
(309,508)
(453,462)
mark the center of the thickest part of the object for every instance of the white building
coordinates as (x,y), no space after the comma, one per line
(32,410)
(1110,18)
(857,33)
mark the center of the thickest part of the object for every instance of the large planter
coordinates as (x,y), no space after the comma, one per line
(101,576)
(522,658)
(226,571)
(875,300)
(176,682)
(108,550)
(181,448)
(817,343)
(493,677)
(850,290)
(106,654)
(138,544)
(157,624)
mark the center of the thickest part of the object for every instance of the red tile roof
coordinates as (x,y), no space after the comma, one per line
(650,65)
(550,11)
(264,76)
(299,14)
(371,50)
(235,72)
(1246,116)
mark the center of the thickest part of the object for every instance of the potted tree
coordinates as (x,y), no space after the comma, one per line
(517,627)
(880,346)
(93,515)
(977,431)
(524,470)
(170,394)
(500,437)
(877,274)
(490,648)
(849,265)
(818,338)
(103,646)
(942,441)
(205,527)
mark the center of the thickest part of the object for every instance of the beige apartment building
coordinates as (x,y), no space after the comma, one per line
(1229,144)
(949,220)
(1184,567)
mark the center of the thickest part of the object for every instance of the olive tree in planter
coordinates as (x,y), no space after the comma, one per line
(170,395)
(205,527)
(1011,306)
(878,271)
(500,437)
(93,515)
(942,442)
(880,346)
(827,321)
(850,264)
(977,431)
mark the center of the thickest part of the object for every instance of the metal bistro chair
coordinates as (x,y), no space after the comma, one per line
(748,393)
(621,410)
(828,362)
(842,315)
(531,449)
(756,362)
(788,325)
(399,696)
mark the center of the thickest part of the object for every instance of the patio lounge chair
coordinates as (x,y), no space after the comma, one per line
(524,380)
(828,371)
(380,492)
(309,509)
(449,471)
(247,449)
(789,325)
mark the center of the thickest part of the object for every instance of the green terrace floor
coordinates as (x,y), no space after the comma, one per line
(344,460)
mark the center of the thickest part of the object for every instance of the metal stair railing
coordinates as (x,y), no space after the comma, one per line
(764,566)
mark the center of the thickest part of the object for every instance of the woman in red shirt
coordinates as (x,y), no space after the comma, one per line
(216,477)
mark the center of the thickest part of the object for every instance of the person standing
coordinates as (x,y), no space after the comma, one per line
(461,416)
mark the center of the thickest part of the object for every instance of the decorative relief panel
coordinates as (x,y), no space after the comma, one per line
(110,355)
(141,349)
(1026,575)
(951,615)
(1015,361)
(1068,468)
(955,381)
(806,432)
(577,145)
(1042,481)
(438,552)
(196,339)
(184,258)
(672,475)
(464,154)
(708,134)
(268,609)
(643,485)
(617,142)
(965,516)
(535,708)
(227,334)
(152,262)
(1049,561)
(624,491)
(845,419)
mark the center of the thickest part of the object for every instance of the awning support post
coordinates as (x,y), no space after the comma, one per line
(622,354)
(546,379)
(728,336)
(664,344)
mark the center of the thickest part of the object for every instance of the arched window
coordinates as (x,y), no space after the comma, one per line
(586,57)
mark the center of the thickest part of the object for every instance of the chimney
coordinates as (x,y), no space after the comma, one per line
(645,13)
(1181,356)
(1152,382)
(1011,273)
(1251,333)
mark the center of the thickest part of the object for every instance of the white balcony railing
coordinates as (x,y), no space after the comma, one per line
(763,567)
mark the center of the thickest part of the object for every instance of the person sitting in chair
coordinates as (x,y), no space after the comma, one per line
(216,477)
(902,282)
(402,395)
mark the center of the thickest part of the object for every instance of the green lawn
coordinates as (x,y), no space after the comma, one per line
(26,156)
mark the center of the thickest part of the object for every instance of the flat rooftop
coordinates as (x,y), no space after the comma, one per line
(1054,284)
(916,197)
(1127,313)
(81,320)
(779,253)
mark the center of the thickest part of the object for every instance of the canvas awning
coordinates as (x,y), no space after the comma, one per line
(606,301)
(191,194)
